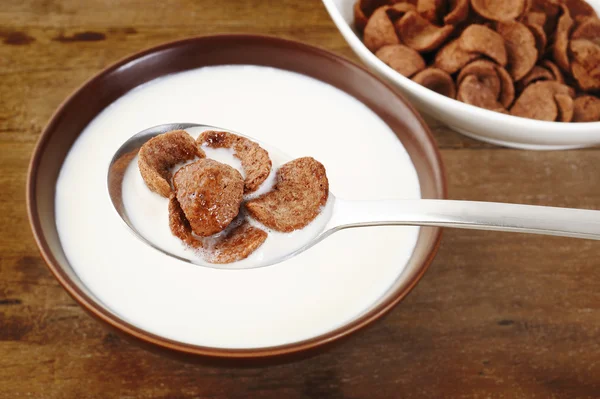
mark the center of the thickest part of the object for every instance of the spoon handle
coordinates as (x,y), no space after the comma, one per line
(566,222)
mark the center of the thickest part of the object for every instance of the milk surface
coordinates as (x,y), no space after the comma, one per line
(313,293)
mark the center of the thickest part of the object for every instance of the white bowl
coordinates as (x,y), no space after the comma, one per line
(472,121)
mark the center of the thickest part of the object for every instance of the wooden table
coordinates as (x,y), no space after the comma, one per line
(497,315)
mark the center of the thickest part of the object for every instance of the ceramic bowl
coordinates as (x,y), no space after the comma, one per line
(100,91)
(472,121)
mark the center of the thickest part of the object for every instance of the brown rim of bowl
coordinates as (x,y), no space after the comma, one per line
(145,337)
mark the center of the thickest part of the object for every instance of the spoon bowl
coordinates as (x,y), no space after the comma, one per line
(339,214)
(286,246)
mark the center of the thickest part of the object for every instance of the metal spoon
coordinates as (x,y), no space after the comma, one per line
(342,214)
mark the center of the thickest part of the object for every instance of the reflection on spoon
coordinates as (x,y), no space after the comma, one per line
(340,214)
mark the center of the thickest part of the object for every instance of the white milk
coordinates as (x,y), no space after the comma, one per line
(308,295)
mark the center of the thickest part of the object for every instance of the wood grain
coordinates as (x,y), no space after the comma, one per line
(498,315)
